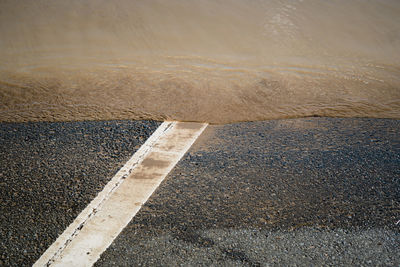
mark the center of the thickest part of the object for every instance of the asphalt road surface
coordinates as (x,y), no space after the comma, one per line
(49,172)
(312,191)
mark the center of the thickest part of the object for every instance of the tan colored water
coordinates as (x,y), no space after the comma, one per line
(206,60)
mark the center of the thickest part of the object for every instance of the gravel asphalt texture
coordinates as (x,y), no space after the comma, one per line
(300,192)
(49,172)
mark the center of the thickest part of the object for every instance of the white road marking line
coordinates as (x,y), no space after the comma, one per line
(95,228)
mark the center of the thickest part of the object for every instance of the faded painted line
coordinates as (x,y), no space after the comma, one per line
(103,219)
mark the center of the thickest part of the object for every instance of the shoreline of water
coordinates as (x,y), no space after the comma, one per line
(208,61)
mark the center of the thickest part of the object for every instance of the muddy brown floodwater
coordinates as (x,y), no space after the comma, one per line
(216,61)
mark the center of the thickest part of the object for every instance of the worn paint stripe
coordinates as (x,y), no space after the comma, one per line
(103,219)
